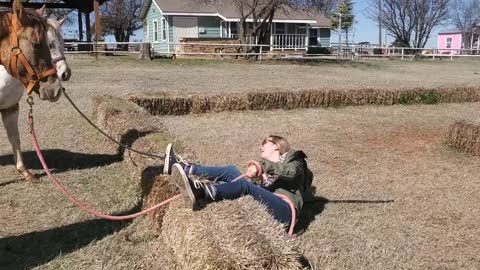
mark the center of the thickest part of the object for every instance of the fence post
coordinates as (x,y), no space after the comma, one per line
(403,53)
(261,51)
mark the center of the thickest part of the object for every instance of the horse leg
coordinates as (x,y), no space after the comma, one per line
(10,121)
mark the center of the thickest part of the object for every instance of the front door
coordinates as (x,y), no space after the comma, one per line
(184,27)
(313,37)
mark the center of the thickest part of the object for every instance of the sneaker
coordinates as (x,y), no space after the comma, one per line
(172,158)
(191,193)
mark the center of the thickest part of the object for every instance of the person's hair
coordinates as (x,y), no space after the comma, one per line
(282,143)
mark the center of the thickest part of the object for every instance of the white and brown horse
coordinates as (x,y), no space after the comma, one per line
(30,46)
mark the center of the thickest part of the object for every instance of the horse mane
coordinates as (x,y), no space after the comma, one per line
(34,19)
(4,24)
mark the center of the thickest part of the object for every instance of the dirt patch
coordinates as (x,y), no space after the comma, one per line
(406,141)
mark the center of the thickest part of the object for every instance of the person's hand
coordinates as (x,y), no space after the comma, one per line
(252,171)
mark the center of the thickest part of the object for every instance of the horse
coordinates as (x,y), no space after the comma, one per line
(33,40)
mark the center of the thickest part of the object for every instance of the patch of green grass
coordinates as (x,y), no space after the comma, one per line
(431,97)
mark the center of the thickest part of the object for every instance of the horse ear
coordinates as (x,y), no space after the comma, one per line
(61,21)
(41,11)
(18,10)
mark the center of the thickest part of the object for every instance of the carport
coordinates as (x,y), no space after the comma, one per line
(84,8)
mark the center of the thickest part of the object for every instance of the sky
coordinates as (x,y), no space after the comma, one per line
(367,30)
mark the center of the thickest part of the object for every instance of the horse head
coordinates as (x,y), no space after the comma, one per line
(25,53)
(57,48)
(57,45)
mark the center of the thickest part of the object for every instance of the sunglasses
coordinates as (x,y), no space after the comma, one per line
(268,140)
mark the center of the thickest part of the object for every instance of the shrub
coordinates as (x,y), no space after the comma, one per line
(318,50)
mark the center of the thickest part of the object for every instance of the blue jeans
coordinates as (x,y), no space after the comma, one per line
(233,190)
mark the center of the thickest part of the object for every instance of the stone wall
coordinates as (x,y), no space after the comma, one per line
(208,45)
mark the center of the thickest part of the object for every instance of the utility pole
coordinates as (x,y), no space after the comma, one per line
(379,3)
(339,35)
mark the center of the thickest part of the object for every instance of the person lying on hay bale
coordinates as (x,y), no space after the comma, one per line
(285,172)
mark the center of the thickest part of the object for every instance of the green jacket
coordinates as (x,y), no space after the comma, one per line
(293,178)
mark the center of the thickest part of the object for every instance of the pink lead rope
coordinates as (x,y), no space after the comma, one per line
(97,213)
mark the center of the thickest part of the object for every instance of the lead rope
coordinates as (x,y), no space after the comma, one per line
(72,198)
(108,136)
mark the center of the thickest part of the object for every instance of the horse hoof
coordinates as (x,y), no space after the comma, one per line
(30,177)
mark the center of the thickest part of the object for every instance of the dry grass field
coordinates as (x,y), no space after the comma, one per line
(360,156)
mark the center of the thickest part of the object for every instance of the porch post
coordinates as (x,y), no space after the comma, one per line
(308,37)
(271,36)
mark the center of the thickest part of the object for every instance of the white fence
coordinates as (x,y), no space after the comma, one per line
(282,41)
(289,41)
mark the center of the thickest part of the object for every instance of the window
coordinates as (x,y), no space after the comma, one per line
(290,28)
(301,29)
(449,43)
(233,30)
(279,28)
(164,29)
(155,31)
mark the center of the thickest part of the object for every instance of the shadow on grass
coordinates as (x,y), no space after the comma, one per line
(59,160)
(37,248)
(315,207)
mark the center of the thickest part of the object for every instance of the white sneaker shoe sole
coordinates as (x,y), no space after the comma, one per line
(183,184)
(167,164)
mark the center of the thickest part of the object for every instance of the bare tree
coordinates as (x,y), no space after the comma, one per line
(411,21)
(466,17)
(262,13)
(120,18)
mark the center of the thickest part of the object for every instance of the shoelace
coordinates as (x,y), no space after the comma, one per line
(200,184)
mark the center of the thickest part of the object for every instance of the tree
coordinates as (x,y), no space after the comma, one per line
(262,13)
(411,21)
(466,17)
(344,9)
(120,18)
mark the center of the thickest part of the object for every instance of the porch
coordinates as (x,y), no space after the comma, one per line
(284,36)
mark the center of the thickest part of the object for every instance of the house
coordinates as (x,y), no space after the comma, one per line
(167,22)
(453,41)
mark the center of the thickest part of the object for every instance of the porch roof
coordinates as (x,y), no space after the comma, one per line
(228,12)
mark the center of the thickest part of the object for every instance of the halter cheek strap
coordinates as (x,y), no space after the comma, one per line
(17,54)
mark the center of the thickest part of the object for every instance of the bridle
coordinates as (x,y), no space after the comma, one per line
(17,54)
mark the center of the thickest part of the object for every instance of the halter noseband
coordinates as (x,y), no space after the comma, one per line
(17,54)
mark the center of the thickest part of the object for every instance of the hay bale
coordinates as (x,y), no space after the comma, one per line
(465,137)
(459,94)
(272,100)
(164,104)
(237,234)
(218,103)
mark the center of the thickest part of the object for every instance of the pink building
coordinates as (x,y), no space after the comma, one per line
(449,42)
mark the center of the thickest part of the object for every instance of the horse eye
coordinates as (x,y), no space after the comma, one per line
(52,46)
(37,46)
